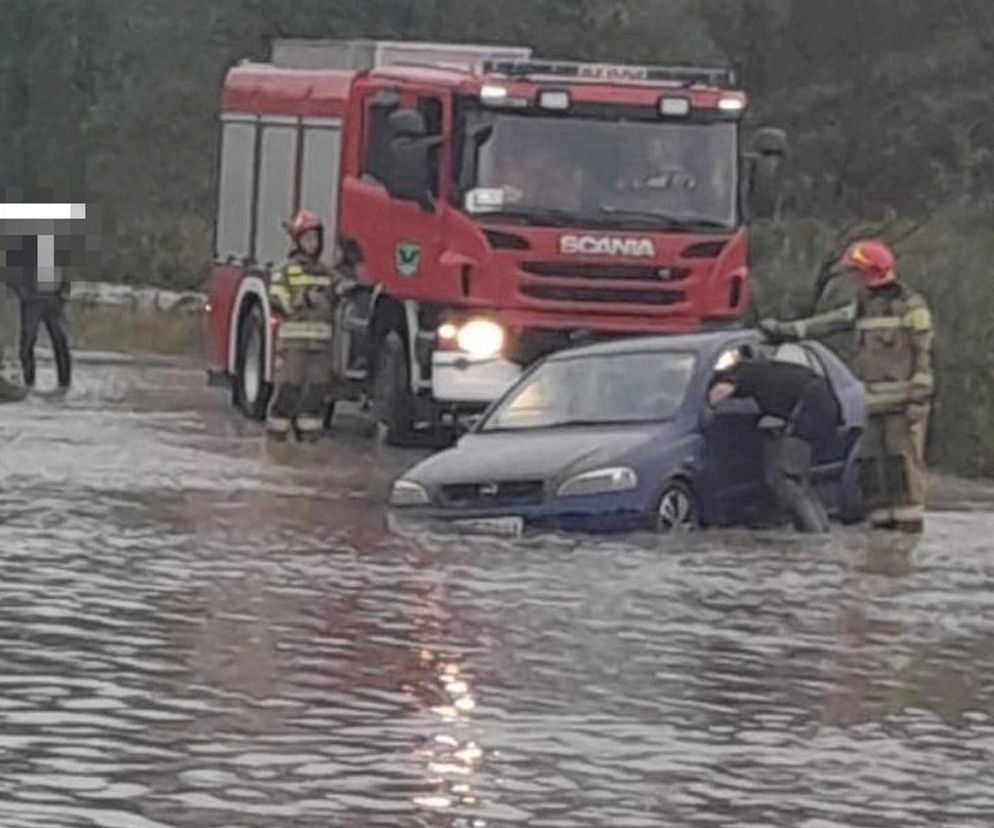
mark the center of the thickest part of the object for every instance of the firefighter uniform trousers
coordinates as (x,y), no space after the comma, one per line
(303,292)
(894,474)
(895,341)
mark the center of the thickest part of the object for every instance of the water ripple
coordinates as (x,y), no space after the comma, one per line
(197,632)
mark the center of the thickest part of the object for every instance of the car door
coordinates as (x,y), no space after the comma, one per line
(731,476)
(732,473)
(835,474)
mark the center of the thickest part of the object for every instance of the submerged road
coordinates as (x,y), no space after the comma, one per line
(198,632)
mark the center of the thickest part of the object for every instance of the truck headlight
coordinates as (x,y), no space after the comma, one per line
(599,481)
(481,338)
(408,493)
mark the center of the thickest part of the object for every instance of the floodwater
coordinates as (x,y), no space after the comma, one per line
(195,632)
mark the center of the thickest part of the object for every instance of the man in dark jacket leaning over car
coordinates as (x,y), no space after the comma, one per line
(798,409)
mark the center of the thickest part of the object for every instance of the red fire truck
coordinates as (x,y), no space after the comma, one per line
(491,207)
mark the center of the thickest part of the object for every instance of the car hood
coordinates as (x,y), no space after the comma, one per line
(542,454)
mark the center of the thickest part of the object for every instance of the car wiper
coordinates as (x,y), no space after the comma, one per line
(579,423)
(670,222)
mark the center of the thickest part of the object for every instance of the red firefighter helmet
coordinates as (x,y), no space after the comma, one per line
(302,222)
(874,261)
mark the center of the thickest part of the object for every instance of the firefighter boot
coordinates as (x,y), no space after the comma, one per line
(279,423)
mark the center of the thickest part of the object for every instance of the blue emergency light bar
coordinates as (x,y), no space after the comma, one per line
(669,76)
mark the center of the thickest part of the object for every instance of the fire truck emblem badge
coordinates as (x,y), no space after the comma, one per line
(408,259)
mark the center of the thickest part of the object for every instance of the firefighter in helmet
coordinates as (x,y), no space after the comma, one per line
(893,327)
(301,293)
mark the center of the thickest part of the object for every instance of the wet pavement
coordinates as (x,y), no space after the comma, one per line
(197,632)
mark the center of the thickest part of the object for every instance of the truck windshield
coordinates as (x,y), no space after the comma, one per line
(617,388)
(562,170)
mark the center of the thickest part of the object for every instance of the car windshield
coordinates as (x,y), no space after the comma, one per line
(614,388)
(611,173)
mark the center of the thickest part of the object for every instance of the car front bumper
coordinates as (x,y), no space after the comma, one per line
(613,512)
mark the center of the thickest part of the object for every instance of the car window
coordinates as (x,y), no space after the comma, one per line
(610,388)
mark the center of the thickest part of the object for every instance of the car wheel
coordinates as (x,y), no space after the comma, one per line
(392,398)
(676,509)
(251,393)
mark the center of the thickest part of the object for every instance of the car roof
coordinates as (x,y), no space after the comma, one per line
(708,342)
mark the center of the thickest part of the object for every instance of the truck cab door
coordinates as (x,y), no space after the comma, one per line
(398,235)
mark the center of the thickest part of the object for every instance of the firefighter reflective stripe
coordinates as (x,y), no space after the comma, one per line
(881,518)
(305,330)
(306,280)
(886,397)
(887,387)
(918,319)
(923,380)
(310,423)
(824,324)
(280,295)
(880,323)
(908,513)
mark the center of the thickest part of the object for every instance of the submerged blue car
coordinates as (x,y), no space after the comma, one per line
(619,436)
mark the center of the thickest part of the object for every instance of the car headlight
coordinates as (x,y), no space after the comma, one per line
(481,338)
(599,481)
(408,493)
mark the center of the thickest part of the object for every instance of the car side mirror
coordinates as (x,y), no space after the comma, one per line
(765,171)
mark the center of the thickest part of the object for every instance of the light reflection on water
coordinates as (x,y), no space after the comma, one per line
(197,632)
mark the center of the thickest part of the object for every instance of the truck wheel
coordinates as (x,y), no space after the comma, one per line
(251,392)
(392,400)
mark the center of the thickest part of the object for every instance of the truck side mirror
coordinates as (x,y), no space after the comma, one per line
(765,166)
(771,141)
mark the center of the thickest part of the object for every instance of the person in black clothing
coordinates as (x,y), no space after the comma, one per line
(800,410)
(42,300)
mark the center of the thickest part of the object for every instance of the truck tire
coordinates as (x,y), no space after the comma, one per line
(251,391)
(392,399)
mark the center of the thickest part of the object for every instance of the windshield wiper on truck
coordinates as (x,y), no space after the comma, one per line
(542,216)
(661,219)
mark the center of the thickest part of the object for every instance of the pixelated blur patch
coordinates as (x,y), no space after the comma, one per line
(62,229)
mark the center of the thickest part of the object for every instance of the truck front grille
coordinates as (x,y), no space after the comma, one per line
(618,296)
(627,272)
